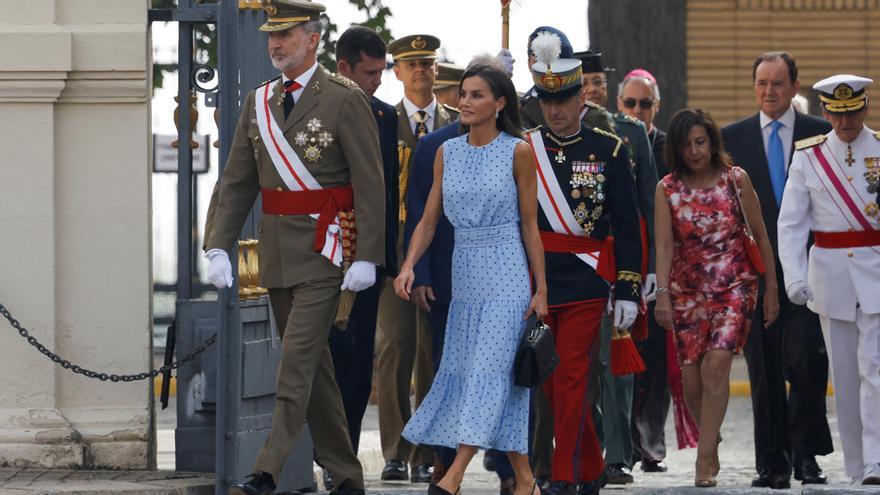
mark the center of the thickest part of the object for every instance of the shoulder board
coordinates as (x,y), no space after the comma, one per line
(595,106)
(451,108)
(533,129)
(612,136)
(626,118)
(340,79)
(267,82)
(810,142)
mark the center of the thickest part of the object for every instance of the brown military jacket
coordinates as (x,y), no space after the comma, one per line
(406,146)
(286,251)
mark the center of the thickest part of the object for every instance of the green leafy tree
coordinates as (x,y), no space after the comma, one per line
(205,36)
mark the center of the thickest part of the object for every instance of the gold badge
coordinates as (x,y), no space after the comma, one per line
(551,82)
(418,43)
(313,140)
(269,8)
(872,210)
(843,92)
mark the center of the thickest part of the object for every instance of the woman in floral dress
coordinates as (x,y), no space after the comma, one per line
(707,286)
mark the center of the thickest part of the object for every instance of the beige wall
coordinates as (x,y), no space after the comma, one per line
(825,36)
(75,242)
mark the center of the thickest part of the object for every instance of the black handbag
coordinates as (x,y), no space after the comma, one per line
(536,357)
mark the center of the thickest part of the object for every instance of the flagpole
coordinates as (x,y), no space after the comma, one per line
(505,24)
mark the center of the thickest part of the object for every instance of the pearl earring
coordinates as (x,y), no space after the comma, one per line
(496,114)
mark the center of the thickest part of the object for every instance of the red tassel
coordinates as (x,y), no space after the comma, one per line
(687,432)
(625,358)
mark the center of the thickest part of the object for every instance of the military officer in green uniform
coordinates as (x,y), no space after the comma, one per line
(403,344)
(308,142)
(617,391)
(446,84)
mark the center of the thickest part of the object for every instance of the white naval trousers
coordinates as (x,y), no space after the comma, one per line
(855,371)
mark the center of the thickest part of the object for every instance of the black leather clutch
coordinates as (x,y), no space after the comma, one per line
(536,357)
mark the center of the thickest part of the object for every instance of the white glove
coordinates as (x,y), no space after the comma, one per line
(220,270)
(507,59)
(649,290)
(799,292)
(360,275)
(625,313)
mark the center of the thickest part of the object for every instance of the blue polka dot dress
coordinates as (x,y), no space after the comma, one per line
(473,400)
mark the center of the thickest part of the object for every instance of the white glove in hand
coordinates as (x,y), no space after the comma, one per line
(507,59)
(625,313)
(219,270)
(799,292)
(360,275)
(649,290)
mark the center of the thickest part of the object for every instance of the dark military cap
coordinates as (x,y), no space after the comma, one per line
(592,62)
(285,14)
(555,78)
(414,46)
(448,75)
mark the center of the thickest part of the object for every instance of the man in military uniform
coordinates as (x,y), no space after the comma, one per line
(308,142)
(403,341)
(446,84)
(585,190)
(616,391)
(832,192)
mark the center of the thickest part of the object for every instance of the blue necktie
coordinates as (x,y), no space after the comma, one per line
(776,161)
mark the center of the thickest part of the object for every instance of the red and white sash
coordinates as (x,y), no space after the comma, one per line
(840,188)
(291,168)
(552,199)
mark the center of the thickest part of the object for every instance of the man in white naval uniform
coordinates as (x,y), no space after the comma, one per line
(832,191)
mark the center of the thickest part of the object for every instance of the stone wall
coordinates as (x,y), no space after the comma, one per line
(75,241)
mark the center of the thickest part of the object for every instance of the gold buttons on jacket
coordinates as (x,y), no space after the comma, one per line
(849,254)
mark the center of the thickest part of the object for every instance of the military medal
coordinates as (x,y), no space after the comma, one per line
(872,173)
(560,156)
(872,210)
(313,140)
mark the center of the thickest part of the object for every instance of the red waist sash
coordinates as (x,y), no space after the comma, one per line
(837,240)
(326,203)
(573,244)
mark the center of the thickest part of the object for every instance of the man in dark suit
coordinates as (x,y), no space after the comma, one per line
(789,431)
(360,55)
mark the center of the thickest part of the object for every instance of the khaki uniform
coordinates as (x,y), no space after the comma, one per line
(403,341)
(304,285)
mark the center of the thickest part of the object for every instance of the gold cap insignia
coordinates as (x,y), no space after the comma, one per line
(843,92)
(418,43)
(551,82)
(269,8)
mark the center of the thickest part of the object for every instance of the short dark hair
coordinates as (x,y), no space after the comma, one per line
(773,56)
(358,41)
(500,84)
(677,134)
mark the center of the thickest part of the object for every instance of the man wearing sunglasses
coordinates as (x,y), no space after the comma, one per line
(617,391)
(638,96)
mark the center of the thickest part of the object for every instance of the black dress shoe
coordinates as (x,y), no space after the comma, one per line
(618,474)
(346,490)
(593,487)
(769,479)
(654,467)
(421,473)
(395,470)
(561,488)
(808,472)
(259,484)
(543,483)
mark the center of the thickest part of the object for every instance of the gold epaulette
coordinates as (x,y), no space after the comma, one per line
(810,142)
(339,78)
(451,108)
(594,106)
(612,136)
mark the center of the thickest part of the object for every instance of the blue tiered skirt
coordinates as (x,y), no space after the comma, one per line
(473,400)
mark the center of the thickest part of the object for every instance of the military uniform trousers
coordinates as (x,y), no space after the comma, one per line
(793,421)
(306,389)
(855,370)
(616,398)
(403,345)
(352,350)
(651,398)
(577,456)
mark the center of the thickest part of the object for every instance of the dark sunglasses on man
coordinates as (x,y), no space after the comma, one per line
(645,103)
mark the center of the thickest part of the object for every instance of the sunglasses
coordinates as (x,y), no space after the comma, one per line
(645,103)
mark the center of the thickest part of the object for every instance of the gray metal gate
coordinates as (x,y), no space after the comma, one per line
(225,399)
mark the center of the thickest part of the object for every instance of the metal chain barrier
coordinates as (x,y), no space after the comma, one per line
(104,377)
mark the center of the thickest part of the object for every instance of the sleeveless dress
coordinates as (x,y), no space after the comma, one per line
(712,283)
(473,399)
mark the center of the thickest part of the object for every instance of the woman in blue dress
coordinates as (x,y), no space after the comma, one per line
(485,183)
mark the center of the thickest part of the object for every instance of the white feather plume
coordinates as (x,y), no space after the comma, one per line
(547,47)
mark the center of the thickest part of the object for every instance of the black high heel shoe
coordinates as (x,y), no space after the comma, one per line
(434,489)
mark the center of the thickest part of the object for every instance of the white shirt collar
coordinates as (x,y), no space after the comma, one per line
(303,78)
(787,118)
(411,108)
